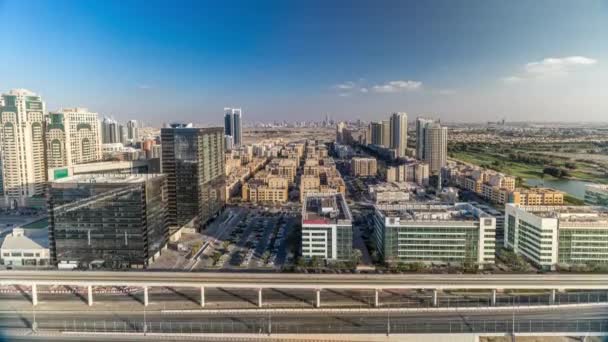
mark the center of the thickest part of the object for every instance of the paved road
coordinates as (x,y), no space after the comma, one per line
(582,320)
(282,280)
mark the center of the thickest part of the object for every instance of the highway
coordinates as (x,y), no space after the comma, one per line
(221,298)
(307,281)
(583,320)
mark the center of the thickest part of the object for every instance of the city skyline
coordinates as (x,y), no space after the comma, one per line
(482,61)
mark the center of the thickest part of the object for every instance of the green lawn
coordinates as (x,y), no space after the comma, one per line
(511,168)
(583,171)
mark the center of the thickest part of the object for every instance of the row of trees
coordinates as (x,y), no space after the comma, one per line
(556,172)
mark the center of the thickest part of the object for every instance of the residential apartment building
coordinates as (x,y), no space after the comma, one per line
(398,134)
(386,133)
(327,231)
(536,196)
(22,146)
(283,167)
(233,126)
(421,125)
(435,147)
(390,193)
(273,189)
(431,232)
(363,167)
(416,172)
(497,187)
(552,235)
(73,136)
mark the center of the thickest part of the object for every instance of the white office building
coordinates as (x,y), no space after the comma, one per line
(552,235)
(596,194)
(460,233)
(327,230)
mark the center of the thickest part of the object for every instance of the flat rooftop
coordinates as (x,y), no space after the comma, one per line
(325,209)
(603,187)
(569,213)
(432,211)
(117,178)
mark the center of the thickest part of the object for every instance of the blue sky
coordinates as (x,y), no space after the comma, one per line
(185,60)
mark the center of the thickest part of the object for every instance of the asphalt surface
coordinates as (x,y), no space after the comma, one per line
(361,281)
(580,320)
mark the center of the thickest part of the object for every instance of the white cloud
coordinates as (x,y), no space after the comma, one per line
(144,86)
(558,65)
(345,86)
(364,90)
(550,67)
(397,86)
(344,94)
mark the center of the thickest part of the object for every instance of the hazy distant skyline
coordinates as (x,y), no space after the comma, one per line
(158,61)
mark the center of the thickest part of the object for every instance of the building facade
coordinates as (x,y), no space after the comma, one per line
(596,194)
(73,136)
(552,235)
(22,146)
(398,136)
(327,231)
(19,250)
(439,233)
(435,147)
(110,131)
(110,221)
(274,189)
(193,160)
(421,125)
(364,167)
(132,131)
(233,126)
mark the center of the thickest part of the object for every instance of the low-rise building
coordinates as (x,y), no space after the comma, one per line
(107,167)
(536,196)
(271,188)
(552,235)
(19,250)
(327,230)
(416,171)
(283,167)
(596,194)
(390,192)
(435,233)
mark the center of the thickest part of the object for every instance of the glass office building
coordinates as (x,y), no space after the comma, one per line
(193,160)
(109,221)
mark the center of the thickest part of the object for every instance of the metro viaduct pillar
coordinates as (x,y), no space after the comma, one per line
(34,295)
(202,296)
(90,295)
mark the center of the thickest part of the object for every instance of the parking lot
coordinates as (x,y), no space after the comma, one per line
(260,237)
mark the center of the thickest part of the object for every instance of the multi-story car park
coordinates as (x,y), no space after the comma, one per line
(327,230)
(552,235)
(435,233)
